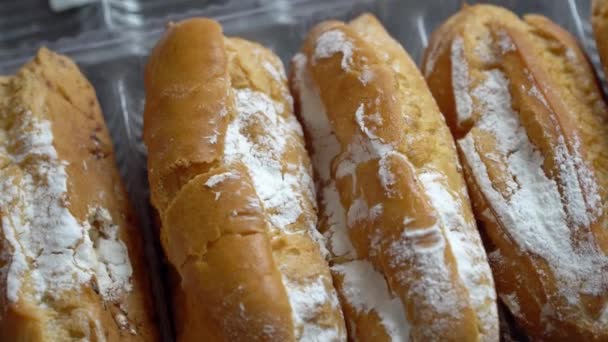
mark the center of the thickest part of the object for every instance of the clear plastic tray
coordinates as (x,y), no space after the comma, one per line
(111,39)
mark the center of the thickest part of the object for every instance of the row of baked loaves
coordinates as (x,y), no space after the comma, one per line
(355,199)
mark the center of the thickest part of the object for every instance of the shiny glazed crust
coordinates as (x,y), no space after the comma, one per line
(525,108)
(52,90)
(406,256)
(231,181)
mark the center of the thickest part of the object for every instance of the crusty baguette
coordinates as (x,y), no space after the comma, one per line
(232,183)
(71,262)
(406,256)
(599,21)
(525,108)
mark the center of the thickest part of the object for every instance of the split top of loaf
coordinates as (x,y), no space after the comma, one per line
(406,256)
(532,128)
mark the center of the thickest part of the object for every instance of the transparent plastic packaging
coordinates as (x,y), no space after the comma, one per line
(110,41)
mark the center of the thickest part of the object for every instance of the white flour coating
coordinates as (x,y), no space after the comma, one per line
(307,302)
(42,241)
(534,92)
(468,251)
(512,303)
(113,268)
(124,324)
(411,255)
(359,151)
(366,290)
(576,181)
(367,76)
(460,81)
(505,44)
(572,56)
(219,178)
(278,76)
(431,58)
(365,287)
(577,184)
(604,315)
(332,42)
(339,241)
(357,212)
(419,254)
(363,148)
(387,176)
(325,145)
(534,214)
(282,189)
(262,154)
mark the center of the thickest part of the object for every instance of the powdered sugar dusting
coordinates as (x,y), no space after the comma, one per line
(460,81)
(332,42)
(365,289)
(534,214)
(42,241)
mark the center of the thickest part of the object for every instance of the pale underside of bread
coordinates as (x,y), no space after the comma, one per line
(599,21)
(525,108)
(231,181)
(50,92)
(387,177)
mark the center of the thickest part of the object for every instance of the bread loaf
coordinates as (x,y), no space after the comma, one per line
(71,261)
(232,184)
(405,253)
(531,126)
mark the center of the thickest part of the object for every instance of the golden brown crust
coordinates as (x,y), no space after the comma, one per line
(51,88)
(231,181)
(177,77)
(230,240)
(599,21)
(392,149)
(531,126)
